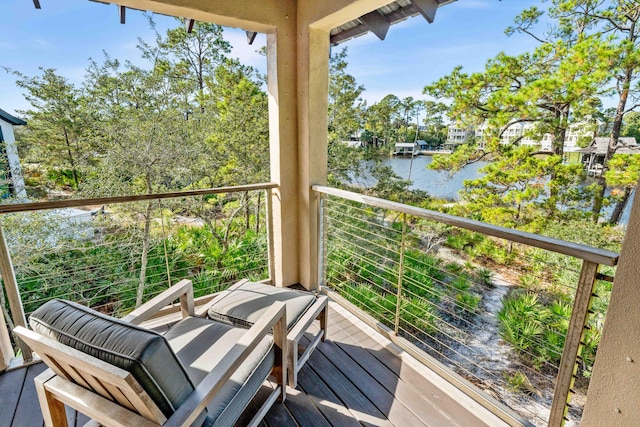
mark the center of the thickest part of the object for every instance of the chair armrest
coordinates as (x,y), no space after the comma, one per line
(274,318)
(183,290)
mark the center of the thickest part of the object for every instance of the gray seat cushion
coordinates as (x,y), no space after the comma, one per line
(145,354)
(243,305)
(200,344)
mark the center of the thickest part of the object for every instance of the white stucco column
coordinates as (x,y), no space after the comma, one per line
(614,392)
(283,136)
(313,84)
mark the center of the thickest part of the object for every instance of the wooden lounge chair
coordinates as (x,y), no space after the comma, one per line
(244,302)
(200,372)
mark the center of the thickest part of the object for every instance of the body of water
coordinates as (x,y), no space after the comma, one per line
(442,185)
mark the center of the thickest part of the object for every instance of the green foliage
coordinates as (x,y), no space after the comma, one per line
(418,314)
(537,329)
(344,118)
(518,382)
(103,271)
(522,323)
(467,303)
(59,125)
(632,125)
(484,276)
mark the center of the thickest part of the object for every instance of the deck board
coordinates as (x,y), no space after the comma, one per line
(358,403)
(27,412)
(355,378)
(394,409)
(304,411)
(11,385)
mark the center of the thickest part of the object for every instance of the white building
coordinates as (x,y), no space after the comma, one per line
(458,135)
(12,175)
(525,133)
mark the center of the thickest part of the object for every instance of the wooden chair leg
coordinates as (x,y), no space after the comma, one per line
(293,364)
(53,410)
(324,321)
(282,354)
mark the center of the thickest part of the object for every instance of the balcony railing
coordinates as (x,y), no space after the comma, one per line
(96,255)
(504,315)
(501,314)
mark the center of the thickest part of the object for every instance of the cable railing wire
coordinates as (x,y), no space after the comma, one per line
(447,298)
(102,266)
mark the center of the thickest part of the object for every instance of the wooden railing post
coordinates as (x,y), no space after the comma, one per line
(322,243)
(13,293)
(269,224)
(400,273)
(6,349)
(573,343)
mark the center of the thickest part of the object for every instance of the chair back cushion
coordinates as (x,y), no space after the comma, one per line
(144,353)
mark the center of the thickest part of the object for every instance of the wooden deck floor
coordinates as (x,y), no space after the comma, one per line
(354,378)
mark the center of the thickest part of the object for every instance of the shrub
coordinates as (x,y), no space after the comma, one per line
(536,329)
(418,314)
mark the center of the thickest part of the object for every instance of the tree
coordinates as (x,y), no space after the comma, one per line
(551,87)
(58,124)
(619,21)
(381,117)
(622,177)
(631,125)
(344,118)
(188,59)
(146,148)
(344,99)
(508,192)
(410,108)
(436,131)
(241,134)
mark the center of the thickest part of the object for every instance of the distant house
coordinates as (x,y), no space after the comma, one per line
(526,134)
(11,180)
(593,155)
(457,135)
(422,144)
(406,149)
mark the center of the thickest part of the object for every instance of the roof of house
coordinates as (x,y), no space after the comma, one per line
(626,145)
(379,20)
(11,119)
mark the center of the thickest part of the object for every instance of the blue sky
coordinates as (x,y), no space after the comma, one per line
(64,34)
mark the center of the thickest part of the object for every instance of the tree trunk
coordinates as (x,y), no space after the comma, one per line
(617,211)
(247,211)
(71,159)
(613,140)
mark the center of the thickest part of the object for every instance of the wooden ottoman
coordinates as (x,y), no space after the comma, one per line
(244,302)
